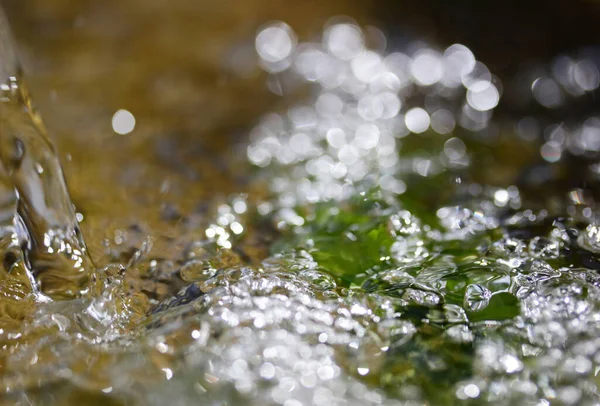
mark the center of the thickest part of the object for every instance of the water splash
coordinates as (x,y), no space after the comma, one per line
(373,293)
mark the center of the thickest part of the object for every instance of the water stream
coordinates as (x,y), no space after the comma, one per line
(55,253)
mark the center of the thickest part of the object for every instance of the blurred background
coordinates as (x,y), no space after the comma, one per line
(187,72)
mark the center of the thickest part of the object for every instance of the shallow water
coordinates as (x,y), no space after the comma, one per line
(383,243)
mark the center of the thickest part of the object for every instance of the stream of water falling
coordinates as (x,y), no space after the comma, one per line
(55,253)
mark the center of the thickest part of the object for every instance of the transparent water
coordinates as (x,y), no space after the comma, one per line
(399,270)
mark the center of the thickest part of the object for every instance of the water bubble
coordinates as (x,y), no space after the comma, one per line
(123,122)
(399,65)
(510,364)
(471,391)
(393,185)
(551,151)
(196,270)
(348,154)
(477,297)
(397,278)
(366,66)
(455,149)
(329,105)
(275,42)
(259,155)
(344,41)
(590,238)
(540,247)
(483,96)
(421,298)
(408,250)
(501,197)
(442,121)
(586,75)
(528,128)
(458,61)
(391,104)
(460,334)
(404,223)
(547,92)
(310,61)
(477,76)
(417,120)
(337,137)
(319,279)
(366,136)
(426,67)
(370,107)
(569,395)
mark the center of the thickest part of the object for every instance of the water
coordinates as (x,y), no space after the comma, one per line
(54,251)
(394,274)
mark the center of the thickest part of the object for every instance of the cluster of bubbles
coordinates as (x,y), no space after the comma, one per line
(566,77)
(286,333)
(228,222)
(565,81)
(576,137)
(365,101)
(278,336)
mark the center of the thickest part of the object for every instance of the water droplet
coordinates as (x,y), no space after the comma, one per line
(477,297)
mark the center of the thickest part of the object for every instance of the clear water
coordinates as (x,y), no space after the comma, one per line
(394,275)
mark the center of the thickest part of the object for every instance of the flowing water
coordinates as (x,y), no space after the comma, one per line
(383,255)
(45,224)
